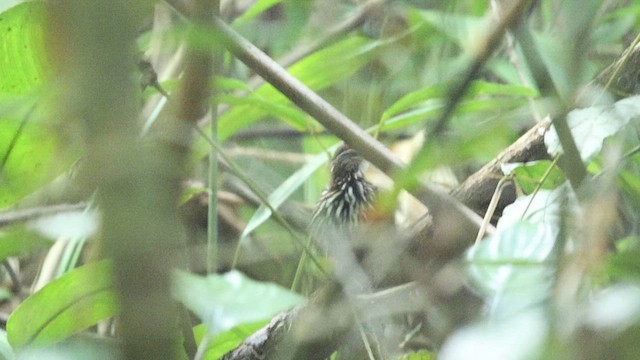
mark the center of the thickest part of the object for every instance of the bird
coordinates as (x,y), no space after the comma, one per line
(344,203)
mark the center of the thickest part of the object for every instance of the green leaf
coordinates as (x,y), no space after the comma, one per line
(513,267)
(226,340)
(417,99)
(34,151)
(591,126)
(192,192)
(544,208)
(529,175)
(284,191)
(280,108)
(462,29)
(227,84)
(256,9)
(428,110)
(226,301)
(479,87)
(79,299)
(318,71)
(18,240)
(19,147)
(23,59)
(426,104)
(556,60)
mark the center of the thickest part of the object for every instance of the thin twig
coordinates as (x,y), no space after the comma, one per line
(10,217)
(492,207)
(619,64)
(539,185)
(15,279)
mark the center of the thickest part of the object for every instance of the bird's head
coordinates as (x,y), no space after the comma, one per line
(345,163)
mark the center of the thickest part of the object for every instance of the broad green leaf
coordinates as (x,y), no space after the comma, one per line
(543,208)
(514,267)
(317,71)
(23,59)
(227,340)
(79,299)
(33,150)
(226,301)
(283,192)
(529,175)
(591,126)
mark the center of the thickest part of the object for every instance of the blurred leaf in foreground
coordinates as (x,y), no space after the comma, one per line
(226,301)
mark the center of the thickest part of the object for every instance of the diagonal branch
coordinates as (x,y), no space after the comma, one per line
(437,201)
